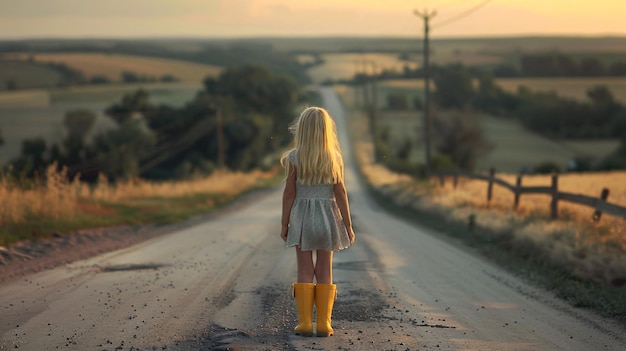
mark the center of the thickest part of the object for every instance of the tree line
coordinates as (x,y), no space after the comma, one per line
(250,106)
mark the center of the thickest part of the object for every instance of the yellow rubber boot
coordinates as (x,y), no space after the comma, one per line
(304,294)
(324,300)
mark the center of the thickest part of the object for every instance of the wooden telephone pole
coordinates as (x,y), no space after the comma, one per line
(220,137)
(426,16)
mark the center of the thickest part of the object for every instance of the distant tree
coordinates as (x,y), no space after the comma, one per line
(131,104)
(505,70)
(397,101)
(418,104)
(454,85)
(617,69)
(99,79)
(461,138)
(130,77)
(118,152)
(32,158)
(600,95)
(548,65)
(168,78)
(403,153)
(12,84)
(592,67)
(1,138)
(255,89)
(547,167)
(492,98)
(79,122)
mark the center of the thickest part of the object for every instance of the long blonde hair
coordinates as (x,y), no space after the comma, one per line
(318,155)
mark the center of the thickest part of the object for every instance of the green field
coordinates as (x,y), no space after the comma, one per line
(514,147)
(27,75)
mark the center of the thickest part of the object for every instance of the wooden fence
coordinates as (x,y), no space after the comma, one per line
(599,204)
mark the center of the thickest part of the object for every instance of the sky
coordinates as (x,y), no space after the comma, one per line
(254,18)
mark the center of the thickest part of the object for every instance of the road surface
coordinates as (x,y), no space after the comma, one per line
(224,284)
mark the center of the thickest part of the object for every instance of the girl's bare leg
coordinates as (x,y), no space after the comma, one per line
(324,267)
(305,265)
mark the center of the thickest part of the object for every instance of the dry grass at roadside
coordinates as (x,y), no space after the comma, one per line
(57,204)
(589,251)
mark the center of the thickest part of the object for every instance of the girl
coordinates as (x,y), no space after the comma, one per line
(316,216)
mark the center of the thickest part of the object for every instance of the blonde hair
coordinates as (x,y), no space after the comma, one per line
(318,155)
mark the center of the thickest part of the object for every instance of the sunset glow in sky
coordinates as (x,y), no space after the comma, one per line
(250,18)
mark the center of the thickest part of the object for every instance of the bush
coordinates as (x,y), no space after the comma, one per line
(405,167)
(404,151)
(418,104)
(99,79)
(547,167)
(397,102)
(441,161)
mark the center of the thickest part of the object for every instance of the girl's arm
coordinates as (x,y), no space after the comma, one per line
(341,196)
(289,196)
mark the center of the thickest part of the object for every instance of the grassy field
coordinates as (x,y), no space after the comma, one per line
(27,75)
(112,65)
(514,147)
(26,214)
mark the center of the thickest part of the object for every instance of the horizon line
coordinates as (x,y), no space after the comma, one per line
(327,36)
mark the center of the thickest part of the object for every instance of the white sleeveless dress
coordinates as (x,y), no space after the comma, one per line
(316,222)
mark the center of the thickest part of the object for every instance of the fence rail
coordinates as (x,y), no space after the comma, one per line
(599,204)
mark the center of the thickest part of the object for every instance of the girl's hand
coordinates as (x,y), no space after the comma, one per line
(351,235)
(283,232)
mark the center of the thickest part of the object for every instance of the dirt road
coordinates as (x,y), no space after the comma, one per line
(224,284)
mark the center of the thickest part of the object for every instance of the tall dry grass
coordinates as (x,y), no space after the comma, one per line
(57,198)
(220,182)
(589,250)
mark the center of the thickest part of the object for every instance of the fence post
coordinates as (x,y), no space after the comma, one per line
(554,205)
(518,186)
(598,214)
(442,179)
(455,179)
(492,173)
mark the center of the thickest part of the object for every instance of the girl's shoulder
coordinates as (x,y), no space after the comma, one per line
(292,156)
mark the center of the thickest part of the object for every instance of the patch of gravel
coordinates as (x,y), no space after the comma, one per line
(27,257)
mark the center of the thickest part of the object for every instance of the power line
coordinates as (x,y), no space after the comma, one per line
(462,15)
(426,16)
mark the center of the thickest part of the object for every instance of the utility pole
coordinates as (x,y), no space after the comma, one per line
(357,96)
(220,136)
(426,16)
(374,106)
